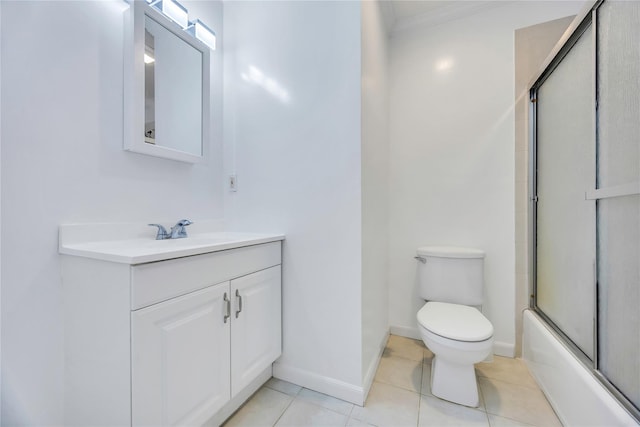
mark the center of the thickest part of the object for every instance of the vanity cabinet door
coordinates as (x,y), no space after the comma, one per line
(181,359)
(256,327)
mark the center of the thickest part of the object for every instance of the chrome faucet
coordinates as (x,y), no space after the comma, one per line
(162,232)
(177,231)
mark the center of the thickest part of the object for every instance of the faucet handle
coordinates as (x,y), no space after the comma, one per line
(184,222)
(162,232)
(178,231)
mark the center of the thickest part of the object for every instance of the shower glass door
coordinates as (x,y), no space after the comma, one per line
(566,250)
(618,206)
(586,183)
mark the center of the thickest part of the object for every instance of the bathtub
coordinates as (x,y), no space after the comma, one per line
(576,396)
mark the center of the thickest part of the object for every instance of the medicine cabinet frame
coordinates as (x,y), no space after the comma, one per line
(134,84)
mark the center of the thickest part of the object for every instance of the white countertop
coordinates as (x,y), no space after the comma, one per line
(139,250)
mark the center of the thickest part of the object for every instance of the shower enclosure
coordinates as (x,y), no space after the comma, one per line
(585,196)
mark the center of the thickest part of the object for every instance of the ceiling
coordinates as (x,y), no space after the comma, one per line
(403,9)
(401,14)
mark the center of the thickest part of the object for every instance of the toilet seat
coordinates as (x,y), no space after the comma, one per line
(455,322)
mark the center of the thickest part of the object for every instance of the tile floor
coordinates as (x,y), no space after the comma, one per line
(401,396)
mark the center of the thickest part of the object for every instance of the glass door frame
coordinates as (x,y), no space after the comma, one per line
(588,17)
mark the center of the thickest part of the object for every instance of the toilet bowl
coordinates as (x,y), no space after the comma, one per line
(459,336)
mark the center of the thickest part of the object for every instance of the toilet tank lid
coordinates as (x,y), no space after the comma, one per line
(450,252)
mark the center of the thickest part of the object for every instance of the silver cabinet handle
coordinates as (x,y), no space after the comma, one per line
(239,303)
(421,259)
(228,308)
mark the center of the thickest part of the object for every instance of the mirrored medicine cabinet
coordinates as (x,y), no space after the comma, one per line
(166,87)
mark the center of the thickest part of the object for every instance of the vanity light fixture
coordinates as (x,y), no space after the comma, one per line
(179,14)
(203,33)
(173,10)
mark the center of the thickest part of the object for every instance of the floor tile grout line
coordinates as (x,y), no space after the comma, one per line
(533,387)
(285,410)
(520,421)
(513,383)
(280,391)
(395,356)
(353,405)
(403,389)
(396,386)
(324,407)
(401,357)
(303,400)
(417,363)
(419,392)
(488,419)
(419,403)
(481,393)
(420,385)
(526,423)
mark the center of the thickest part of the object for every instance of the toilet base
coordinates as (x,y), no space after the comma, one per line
(453,382)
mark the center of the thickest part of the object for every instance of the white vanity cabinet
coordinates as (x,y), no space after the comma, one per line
(180,359)
(191,354)
(180,341)
(255,326)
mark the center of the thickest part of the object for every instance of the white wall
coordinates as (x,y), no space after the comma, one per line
(62,161)
(375,187)
(452,151)
(292,134)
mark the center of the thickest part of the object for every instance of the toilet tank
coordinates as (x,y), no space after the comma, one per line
(451,274)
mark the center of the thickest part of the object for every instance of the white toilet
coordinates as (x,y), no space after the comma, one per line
(451,280)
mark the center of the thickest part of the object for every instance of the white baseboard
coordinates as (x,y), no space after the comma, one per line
(504,349)
(311,380)
(373,367)
(499,348)
(331,386)
(404,331)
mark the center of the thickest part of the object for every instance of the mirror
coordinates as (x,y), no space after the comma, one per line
(166,88)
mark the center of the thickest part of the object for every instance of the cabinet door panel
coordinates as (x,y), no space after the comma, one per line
(256,336)
(181,359)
